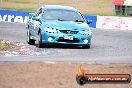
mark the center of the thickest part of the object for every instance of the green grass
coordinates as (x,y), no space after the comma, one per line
(101,14)
(20,9)
(18,1)
(89,7)
(94,7)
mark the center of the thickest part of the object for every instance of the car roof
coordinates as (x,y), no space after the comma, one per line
(46,7)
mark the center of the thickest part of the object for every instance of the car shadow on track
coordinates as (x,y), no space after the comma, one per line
(60,46)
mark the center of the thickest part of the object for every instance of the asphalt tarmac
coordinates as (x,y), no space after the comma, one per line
(108,46)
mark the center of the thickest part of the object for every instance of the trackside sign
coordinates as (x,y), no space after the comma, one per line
(22,16)
(14,16)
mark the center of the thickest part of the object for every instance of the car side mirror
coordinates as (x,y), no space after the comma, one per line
(35,18)
(89,21)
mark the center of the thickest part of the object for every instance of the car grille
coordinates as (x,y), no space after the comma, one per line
(68,32)
(75,40)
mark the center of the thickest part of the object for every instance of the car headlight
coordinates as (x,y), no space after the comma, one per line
(86,32)
(51,30)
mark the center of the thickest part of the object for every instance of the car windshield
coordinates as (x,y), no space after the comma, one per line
(63,15)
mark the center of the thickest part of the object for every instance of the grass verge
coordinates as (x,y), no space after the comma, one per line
(95,7)
(4,46)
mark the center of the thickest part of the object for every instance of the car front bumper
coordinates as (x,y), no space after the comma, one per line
(72,39)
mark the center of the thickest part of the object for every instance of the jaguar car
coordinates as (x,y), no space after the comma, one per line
(56,24)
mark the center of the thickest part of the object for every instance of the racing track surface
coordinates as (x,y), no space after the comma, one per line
(108,46)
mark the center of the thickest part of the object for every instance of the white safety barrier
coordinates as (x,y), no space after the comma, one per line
(112,22)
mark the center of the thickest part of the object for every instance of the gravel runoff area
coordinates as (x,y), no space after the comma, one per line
(56,75)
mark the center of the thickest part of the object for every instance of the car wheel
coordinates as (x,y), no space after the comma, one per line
(86,46)
(30,41)
(40,44)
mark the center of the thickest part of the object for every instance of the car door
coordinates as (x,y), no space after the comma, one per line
(37,23)
(31,23)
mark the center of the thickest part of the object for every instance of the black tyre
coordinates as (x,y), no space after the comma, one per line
(81,80)
(40,44)
(29,40)
(86,46)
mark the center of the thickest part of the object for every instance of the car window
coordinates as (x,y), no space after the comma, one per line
(64,15)
(38,12)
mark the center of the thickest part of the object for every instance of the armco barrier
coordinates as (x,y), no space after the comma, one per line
(22,16)
(112,22)
(103,22)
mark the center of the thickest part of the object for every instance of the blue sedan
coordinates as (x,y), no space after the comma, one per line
(56,24)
